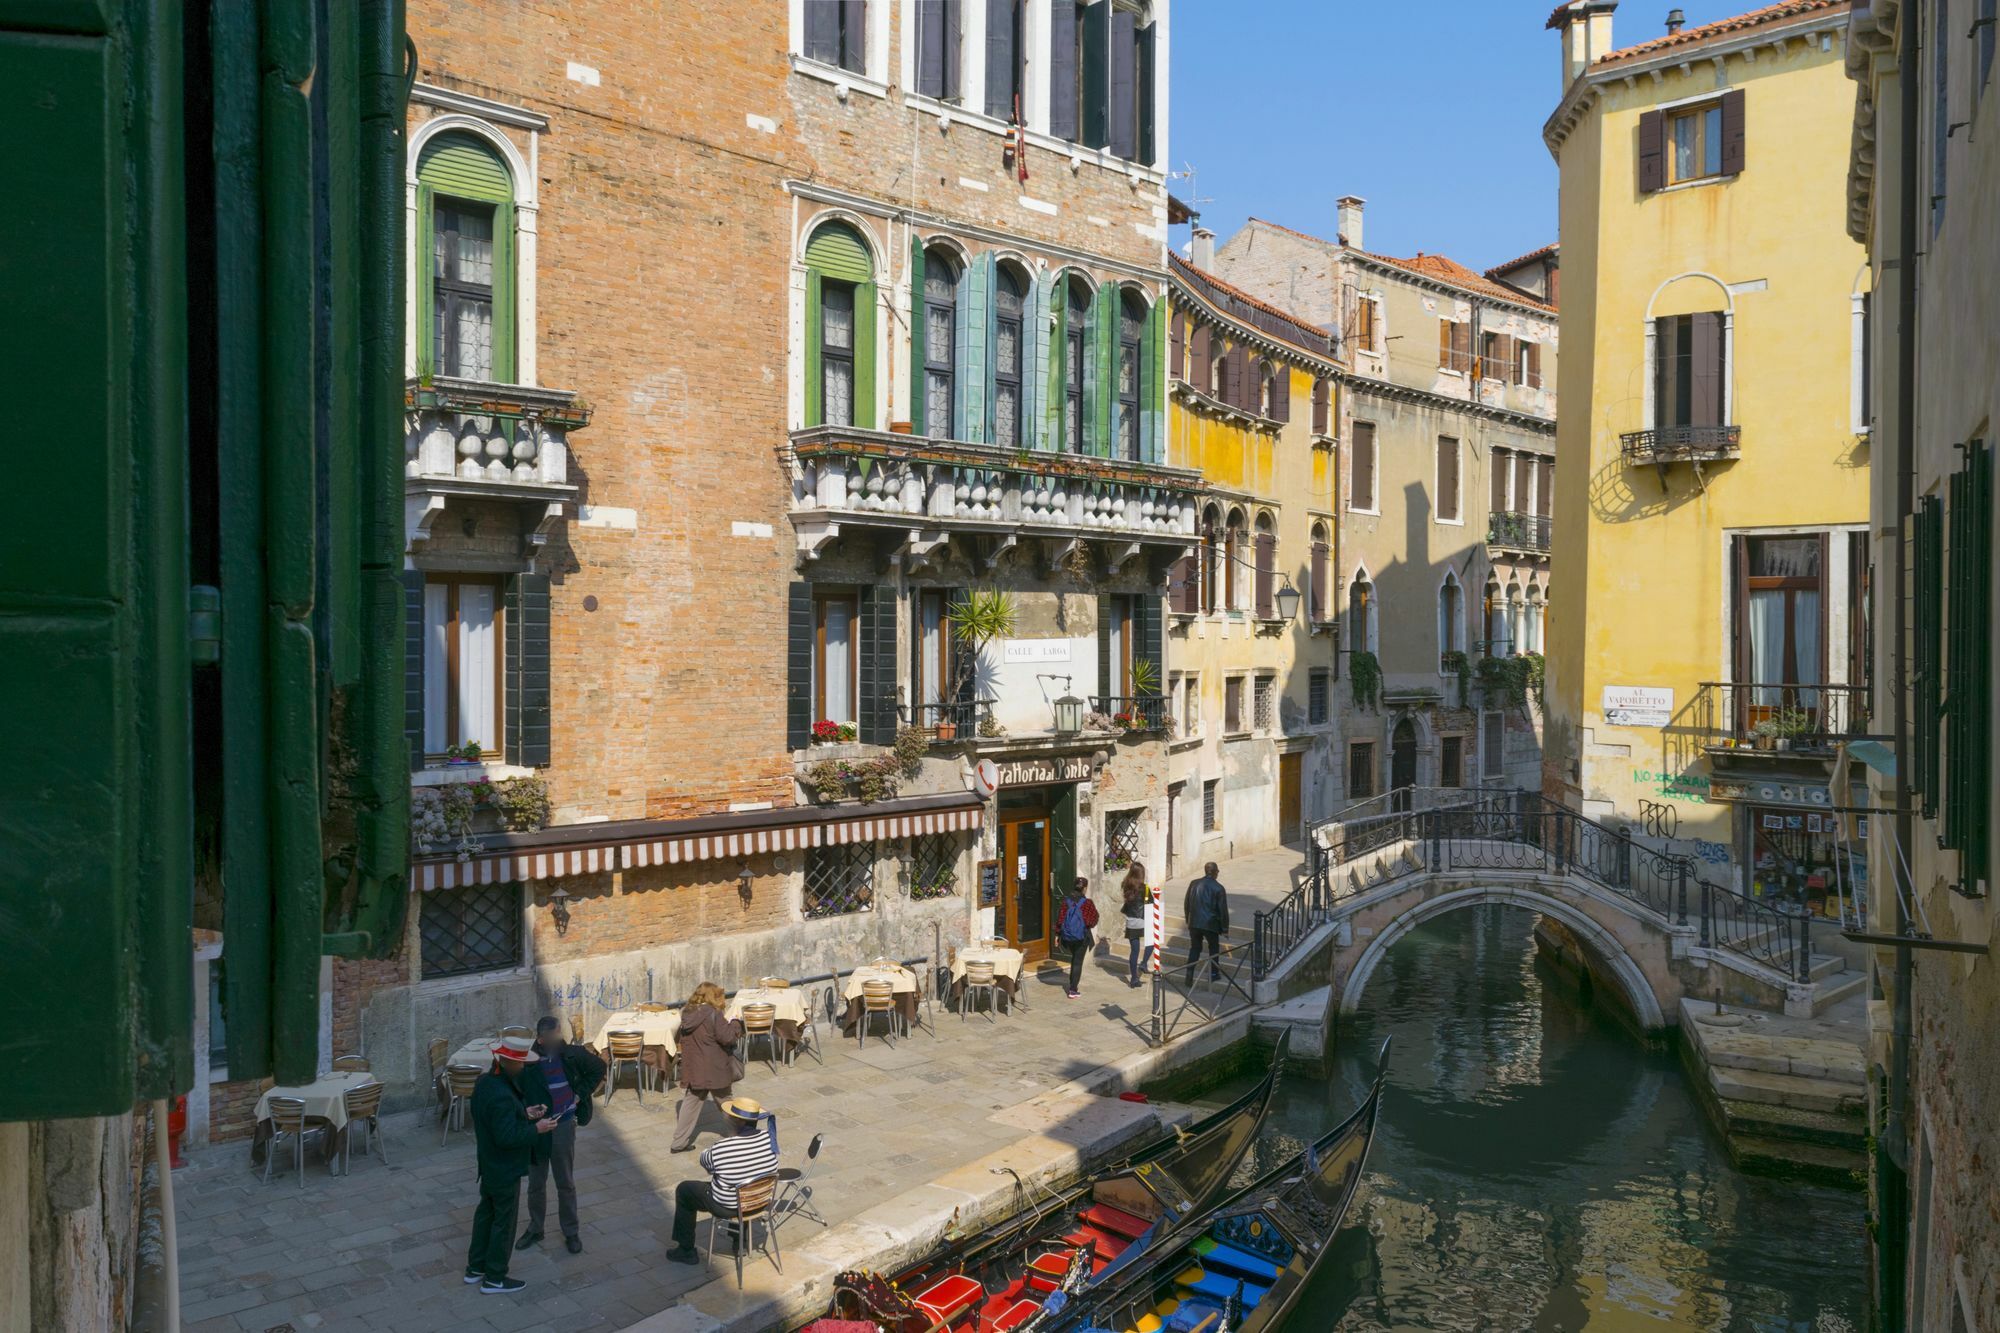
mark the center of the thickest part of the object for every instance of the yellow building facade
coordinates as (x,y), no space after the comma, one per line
(1710,631)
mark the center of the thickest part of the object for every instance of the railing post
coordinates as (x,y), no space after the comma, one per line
(1436,840)
(1706,909)
(1681,890)
(1257,947)
(1159,1007)
(1625,859)
(1562,837)
(1805,945)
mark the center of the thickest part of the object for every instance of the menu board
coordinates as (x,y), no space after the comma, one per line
(989,883)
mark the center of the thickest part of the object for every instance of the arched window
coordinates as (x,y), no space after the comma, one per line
(1218,373)
(1496,620)
(1267,390)
(1076,343)
(1321,560)
(1449,600)
(1267,567)
(840,329)
(1531,628)
(1514,620)
(941,271)
(1131,340)
(1009,299)
(1360,613)
(1232,556)
(1211,557)
(465,204)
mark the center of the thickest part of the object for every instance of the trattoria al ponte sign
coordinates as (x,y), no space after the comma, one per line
(1057,768)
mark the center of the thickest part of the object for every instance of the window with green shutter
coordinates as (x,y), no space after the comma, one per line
(1967,702)
(840,329)
(467,257)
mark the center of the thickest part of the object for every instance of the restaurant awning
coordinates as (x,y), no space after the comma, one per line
(584,849)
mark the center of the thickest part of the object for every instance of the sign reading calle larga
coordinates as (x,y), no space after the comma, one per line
(1062,768)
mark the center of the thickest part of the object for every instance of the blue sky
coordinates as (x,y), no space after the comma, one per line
(1431,110)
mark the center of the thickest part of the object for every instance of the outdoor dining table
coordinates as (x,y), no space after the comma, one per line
(788,1008)
(326,1101)
(1007,965)
(901,978)
(659,1027)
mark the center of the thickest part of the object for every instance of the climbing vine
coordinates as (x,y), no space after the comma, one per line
(1365,677)
(1462,665)
(1507,678)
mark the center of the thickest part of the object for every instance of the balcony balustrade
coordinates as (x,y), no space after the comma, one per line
(1803,719)
(469,438)
(1142,712)
(1677,444)
(1511,530)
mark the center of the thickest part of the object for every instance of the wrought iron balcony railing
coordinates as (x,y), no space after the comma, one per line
(1673,444)
(1512,530)
(1801,718)
(1134,712)
(950,722)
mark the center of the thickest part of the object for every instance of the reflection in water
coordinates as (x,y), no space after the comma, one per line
(1536,1168)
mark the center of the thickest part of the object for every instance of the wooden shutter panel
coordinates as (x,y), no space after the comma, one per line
(1149,642)
(1182,586)
(1062,69)
(1148,54)
(1229,370)
(1247,383)
(1705,364)
(1444,344)
(1545,493)
(1652,151)
(1267,564)
(918,314)
(930,49)
(1927,596)
(1666,372)
(1461,338)
(1107,607)
(954,48)
(877,678)
(413,664)
(1094,76)
(1732,132)
(1739,617)
(799,667)
(1321,402)
(1203,363)
(1124,129)
(822,35)
(1362,481)
(1534,365)
(864,357)
(1502,460)
(1524,481)
(1447,478)
(1177,344)
(1281,393)
(527,671)
(1003,56)
(1321,572)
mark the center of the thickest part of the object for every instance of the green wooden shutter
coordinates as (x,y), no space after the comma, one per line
(837,251)
(972,398)
(1058,409)
(1149,637)
(864,357)
(1034,362)
(799,667)
(1968,681)
(876,723)
(1148,147)
(426,349)
(1926,597)
(1107,683)
(1153,385)
(1095,76)
(989,325)
(526,706)
(413,664)
(917,315)
(1062,850)
(506,327)
(1100,381)
(815,376)
(463,167)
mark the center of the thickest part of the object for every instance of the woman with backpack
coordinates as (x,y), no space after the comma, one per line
(1076,917)
(1133,889)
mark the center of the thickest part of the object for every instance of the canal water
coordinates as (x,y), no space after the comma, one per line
(1537,1168)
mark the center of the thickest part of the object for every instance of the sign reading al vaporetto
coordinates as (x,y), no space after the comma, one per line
(1637,706)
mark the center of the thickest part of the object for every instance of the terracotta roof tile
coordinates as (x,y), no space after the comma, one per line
(1315,339)
(1438,268)
(1756,18)
(1527,258)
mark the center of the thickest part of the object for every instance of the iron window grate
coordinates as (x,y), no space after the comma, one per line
(1265,695)
(1211,813)
(1316,696)
(476,928)
(840,880)
(1121,839)
(933,866)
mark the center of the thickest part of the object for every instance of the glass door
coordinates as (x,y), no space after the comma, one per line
(1024,864)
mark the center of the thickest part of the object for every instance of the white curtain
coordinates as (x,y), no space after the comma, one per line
(931,651)
(1805,642)
(476,666)
(1531,633)
(839,660)
(1116,684)
(1767,644)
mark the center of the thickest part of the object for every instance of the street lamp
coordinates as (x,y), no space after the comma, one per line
(1287,599)
(559,909)
(1069,715)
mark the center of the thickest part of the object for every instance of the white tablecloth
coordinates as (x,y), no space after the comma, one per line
(1006,962)
(477,1052)
(900,977)
(325,1097)
(660,1028)
(787,1003)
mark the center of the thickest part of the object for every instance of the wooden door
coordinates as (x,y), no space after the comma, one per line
(1024,875)
(1290,771)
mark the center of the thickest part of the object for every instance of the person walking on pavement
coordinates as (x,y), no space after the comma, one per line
(708,1067)
(1076,917)
(510,1126)
(749,1151)
(1133,890)
(572,1074)
(1207,912)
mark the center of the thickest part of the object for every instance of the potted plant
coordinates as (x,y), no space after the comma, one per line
(828,732)
(980,617)
(457,756)
(1788,725)
(947,727)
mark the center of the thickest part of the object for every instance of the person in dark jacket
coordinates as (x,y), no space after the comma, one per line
(707,1073)
(1207,912)
(1076,918)
(510,1126)
(572,1074)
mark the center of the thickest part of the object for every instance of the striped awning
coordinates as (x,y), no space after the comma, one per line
(627,853)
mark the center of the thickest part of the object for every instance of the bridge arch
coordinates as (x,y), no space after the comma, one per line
(1609,950)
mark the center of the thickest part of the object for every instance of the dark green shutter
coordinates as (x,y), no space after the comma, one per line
(815,374)
(864,357)
(1095,75)
(1100,395)
(1059,371)
(1968,693)
(962,684)
(1149,637)
(799,667)
(917,315)
(877,653)
(1062,68)
(1062,849)
(1148,146)
(527,671)
(1107,607)
(413,664)
(1124,129)
(1926,598)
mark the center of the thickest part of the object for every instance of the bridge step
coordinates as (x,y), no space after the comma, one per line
(1832,991)
(1835,1061)
(1826,1164)
(1790,1090)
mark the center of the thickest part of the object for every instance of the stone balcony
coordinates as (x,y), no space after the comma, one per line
(469,439)
(932,490)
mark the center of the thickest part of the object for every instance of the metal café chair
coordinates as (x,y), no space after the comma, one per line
(460,1079)
(364,1113)
(979,978)
(350,1064)
(761,1020)
(626,1048)
(818,1007)
(288,1118)
(753,1205)
(878,998)
(795,1191)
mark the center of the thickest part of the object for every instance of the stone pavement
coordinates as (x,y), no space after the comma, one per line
(384,1247)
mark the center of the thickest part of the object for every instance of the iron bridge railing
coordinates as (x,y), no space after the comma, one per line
(1520,830)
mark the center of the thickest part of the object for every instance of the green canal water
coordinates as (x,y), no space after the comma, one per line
(1537,1168)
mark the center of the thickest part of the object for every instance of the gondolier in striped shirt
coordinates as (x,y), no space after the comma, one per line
(749,1153)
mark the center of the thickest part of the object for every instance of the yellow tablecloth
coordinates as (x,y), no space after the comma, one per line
(788,1004)
(904,980)
(325,1097)
(659,1028)
(1006,962)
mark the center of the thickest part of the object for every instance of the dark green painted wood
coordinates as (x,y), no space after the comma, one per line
(799,666)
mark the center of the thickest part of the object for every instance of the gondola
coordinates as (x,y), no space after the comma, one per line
(1242,1267)
(995,1279)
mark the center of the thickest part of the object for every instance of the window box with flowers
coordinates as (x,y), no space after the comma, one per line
(828,732)
(447,817)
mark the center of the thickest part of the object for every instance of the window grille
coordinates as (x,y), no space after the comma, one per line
(1316,697)
(840,880)
(933,866)
(1121,839)
(1211,812)
(476,928)
(1266,702)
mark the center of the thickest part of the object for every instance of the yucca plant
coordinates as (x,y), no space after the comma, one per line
(983,615)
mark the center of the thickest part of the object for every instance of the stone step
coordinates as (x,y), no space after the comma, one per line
(1824,965)
(1747,1049)
(1847,1129)
(1788,1090)
(1836,988)
(1840,1166)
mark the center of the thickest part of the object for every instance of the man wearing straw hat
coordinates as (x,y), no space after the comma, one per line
(749,1152)
(510,1123)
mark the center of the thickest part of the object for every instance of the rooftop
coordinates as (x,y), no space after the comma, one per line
(1438,268)
(1729,27)
(1278,323)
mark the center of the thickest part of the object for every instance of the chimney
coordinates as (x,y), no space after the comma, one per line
(1585,26)
(1349,231)
(1202,253)
(1675,20)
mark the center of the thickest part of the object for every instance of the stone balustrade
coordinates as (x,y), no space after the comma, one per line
(472,431)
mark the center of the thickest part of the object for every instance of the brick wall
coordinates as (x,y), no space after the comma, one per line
(656,905)
(232,1108)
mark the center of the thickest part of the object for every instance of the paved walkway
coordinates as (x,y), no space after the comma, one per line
(384,1247)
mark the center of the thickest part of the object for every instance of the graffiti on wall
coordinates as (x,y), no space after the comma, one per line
(1678,786)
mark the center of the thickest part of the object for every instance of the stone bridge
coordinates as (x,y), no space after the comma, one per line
(1642,921)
